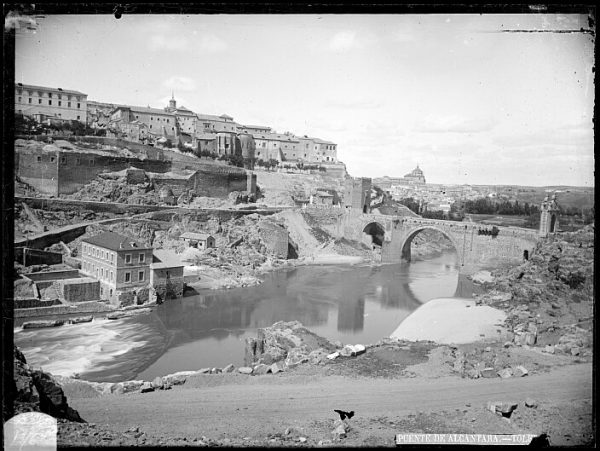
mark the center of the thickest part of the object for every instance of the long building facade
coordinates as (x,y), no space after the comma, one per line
(219,135)
(44,103)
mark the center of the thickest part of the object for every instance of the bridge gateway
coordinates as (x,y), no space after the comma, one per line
(476,245)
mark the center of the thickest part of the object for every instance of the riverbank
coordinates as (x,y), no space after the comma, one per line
(452,321)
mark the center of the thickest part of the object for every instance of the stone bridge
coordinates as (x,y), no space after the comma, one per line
(474,247)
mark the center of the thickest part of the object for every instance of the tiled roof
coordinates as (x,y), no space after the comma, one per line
(275,137)
(147,110)
(47,88)
(321,141)
(115,242)
(195,236)
(257,127)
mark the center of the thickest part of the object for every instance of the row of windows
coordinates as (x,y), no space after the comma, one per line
(30,101)
(109,276)
(50,95)
(93,251)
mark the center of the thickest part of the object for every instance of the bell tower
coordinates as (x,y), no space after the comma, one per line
(549,216)
(172,102)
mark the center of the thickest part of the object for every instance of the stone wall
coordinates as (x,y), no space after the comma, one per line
(79,290)
(28,256)
(82,307)
(35,303)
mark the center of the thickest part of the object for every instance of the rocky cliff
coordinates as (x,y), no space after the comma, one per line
(34,390)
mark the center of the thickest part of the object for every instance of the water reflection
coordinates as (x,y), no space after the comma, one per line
(352,304)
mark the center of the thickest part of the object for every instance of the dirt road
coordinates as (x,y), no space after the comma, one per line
(237,406)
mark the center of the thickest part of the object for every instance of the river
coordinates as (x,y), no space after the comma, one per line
(353,304)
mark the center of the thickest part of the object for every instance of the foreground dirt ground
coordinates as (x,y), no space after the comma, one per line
(296,408)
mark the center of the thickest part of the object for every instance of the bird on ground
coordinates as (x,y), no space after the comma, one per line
(343,415)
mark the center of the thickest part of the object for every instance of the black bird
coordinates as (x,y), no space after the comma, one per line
(344,415)
(541,441)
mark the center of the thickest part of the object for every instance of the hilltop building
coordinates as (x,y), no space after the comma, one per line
(46,104)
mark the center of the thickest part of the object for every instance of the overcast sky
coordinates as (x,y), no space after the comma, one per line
(454,93)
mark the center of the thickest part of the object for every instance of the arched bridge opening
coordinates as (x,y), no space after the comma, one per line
(432,234)
(375,234)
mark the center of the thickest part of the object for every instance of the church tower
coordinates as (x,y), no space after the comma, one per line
(549,216)
(172,102)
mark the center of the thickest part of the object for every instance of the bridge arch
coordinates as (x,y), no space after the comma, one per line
(377,232)
(405,246)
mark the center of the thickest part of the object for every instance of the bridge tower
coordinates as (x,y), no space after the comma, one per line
(357,194)
(549,216)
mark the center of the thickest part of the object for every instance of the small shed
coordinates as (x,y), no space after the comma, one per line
(199,240)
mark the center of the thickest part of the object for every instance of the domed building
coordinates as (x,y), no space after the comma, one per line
(415,177)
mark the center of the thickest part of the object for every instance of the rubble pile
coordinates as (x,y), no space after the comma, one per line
(117,190)
(549,305)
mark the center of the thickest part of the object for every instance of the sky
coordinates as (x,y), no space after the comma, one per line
(454,93)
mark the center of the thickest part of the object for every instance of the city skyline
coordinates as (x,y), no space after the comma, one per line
(467,101)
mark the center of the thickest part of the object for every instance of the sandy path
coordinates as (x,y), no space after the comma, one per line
(249,406)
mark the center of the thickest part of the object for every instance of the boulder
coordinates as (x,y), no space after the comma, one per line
(549,349)
(147,387)
(488,373)
(520,371)
(158,382)
(339,429)
(347,351)
(259,369)
(245,370)
(317,356)
(228,369)
(359,349)
(175,379)
(505,373)
(295,357)
(333,355)
(131,386)
(274,343)
(275,368)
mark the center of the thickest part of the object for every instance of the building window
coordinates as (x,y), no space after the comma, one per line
(102,272)
(141,276)
(78,117)
(52,159)
(60,103)
(39,101)
(69,104)
(29,99)
(127,277)
(78,161)
(20,99)
(63,160)
(142,256)
(127,258)
(39,159)
(49,95)
(112,276)
(79,105)
(92,162)
(49,102)
(112,258)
